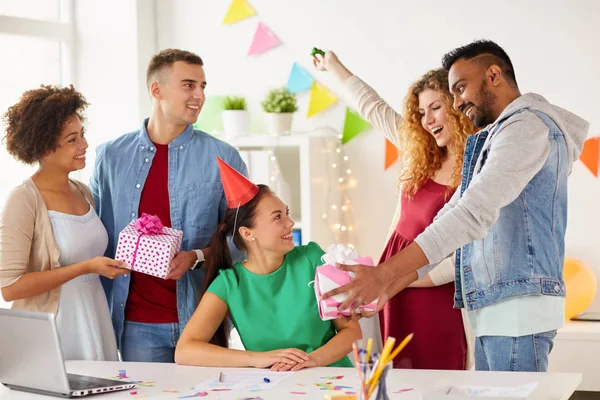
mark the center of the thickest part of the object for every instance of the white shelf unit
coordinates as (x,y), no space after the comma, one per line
(576,349)
(305,163)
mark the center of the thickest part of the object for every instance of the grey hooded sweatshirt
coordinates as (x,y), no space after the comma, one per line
(520,148)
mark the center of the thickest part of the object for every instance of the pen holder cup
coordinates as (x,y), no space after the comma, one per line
(380,390)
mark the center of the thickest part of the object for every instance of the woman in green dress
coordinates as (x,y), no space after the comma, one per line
(267,297)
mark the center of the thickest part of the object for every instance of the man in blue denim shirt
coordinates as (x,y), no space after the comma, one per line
(168,169)
(508,220)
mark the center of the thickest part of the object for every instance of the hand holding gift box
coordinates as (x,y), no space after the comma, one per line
(329,277)
(148,247)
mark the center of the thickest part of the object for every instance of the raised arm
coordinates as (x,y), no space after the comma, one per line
(366,100)
(194,348)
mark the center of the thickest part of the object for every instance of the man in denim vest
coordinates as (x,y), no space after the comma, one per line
(168,169)
(507,219)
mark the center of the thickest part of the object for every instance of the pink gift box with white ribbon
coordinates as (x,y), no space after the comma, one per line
(148,247)
(329,277)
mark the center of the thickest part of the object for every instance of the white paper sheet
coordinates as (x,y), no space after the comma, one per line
(247,380)
(518,392)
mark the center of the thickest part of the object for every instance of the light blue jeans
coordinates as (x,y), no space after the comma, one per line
(507,353)
(149,342)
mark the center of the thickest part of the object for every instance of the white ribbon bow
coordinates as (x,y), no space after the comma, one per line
(340,254)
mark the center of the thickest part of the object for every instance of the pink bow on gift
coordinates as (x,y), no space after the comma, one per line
(148,224)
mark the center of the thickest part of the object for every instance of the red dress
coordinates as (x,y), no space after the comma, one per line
(439,341)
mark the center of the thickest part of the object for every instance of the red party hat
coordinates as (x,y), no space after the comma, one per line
(238,189)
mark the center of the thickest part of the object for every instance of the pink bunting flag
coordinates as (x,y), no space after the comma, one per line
(263,40)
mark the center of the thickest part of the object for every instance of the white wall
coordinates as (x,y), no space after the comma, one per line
(114,41)
(388,43)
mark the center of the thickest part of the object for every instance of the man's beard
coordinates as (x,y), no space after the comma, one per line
(484,110)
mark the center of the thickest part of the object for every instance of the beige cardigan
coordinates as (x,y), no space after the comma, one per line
(385,119)
(27,242)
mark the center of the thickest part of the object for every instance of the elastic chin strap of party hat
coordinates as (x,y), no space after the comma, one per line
(237,210)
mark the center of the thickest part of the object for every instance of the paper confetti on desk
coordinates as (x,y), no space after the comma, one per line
(199,394)
(403,390)
(330,378)
(331,386)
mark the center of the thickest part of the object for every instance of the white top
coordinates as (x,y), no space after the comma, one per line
(83,319)
(519,316)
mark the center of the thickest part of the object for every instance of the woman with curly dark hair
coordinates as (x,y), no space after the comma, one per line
(51,241)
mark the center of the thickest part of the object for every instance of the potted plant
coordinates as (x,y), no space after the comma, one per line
(235,116)
(279,106)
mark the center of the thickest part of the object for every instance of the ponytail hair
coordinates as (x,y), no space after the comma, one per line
(220,258)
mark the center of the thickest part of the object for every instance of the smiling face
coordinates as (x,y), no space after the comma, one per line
(69,154)
(472,94)
(272,230)
(434,117)
(180,92)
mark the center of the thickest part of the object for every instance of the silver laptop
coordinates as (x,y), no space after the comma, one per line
(31,358)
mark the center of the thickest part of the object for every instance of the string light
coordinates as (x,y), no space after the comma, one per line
(340,220)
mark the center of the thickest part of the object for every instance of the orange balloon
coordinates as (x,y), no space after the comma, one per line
(581,285)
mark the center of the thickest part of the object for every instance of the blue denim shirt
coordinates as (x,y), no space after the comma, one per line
(523,251)
(196,198)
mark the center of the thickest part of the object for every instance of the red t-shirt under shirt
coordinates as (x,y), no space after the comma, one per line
(152,299)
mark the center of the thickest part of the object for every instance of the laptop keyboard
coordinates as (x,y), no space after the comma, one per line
(81,385)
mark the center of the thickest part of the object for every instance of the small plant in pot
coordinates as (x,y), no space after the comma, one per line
(279,106)
(235,116)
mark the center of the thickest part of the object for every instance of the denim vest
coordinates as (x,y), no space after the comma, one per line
(523,251)
(196,197)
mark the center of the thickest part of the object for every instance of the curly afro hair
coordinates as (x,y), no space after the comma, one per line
(34,124)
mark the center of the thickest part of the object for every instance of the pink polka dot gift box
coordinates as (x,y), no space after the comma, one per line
(148,247)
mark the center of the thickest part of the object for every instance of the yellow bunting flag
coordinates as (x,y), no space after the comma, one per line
(238,10)
(320,99)
(353,125)
(391,154)
(590,154)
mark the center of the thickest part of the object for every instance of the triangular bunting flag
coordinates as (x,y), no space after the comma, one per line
(320,99)
(391,154)
(590,154)
(353,125)
(299,80)
(263,40)
(210,120)
(238,10)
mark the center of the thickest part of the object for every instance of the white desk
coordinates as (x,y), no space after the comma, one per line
(576,349)
(551,386)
